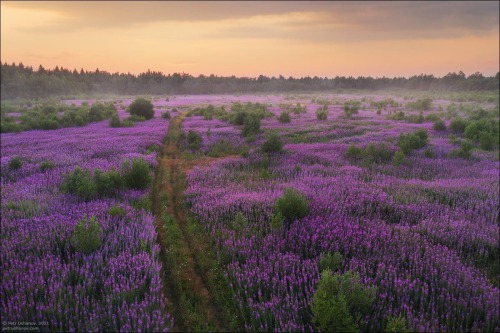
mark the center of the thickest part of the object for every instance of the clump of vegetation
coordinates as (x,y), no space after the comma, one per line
(107,183)
(412,141)
(210,112)
(484,131)
(322,113)
(194,140)
(298,108)
(101,111)
(351,107)
(87,235)
(141,107)
(420,104)
(397,325)
(331,262)
(284,117)
(340,302)
(165,115)
(291,205)
(251,125)
(136,174)
(458,125)
(239,222)
(116,211)
(383,104)
(277,221)
(439,125)
(465,150)
(272,144)
(46,165)
(79,182)
(223,147)
(399,158)
(372,153)
(15,163)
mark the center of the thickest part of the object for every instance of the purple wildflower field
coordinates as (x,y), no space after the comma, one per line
(419,232)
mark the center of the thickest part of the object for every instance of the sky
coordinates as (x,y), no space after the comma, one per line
(294,38)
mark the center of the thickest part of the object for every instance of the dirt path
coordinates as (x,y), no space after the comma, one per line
(185,283)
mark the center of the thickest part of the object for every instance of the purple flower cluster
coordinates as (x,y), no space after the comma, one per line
(115,288)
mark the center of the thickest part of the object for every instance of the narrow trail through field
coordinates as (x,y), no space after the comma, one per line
(185,272)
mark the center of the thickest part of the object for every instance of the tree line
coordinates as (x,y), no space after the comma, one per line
(19,81)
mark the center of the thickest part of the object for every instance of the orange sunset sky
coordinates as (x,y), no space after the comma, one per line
(252,38)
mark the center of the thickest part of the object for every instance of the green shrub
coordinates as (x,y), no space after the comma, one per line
(465,150)
(135,118)
(277,221)
(458,125)
(15,163)
(399,158)
(415,140)
(284,117)
(142,107)
(439,125)
(291,205)
(331,262)
(46,165)
(166,115)
(397,325)
(487,141)
(298,109)
(351,107)
(420,104)
(194,140)
(372,153)
(100,111)
(79,182)
(272,144)
(429,153)
(354,153)
(116,211)
(87,235)
(239,222)
(432,117)
(340,302)
(107,183)
(136,174)
(322,113)
(251,125)
(114,121)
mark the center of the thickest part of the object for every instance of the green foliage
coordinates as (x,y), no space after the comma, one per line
(458,125)
(100,111)
(397,325)
(251,125)
(396,116)
(277,221)
(79,182)
(331,262)
(487,141)
(210,112)
(141,107)
(166,115)
(284,117)
(484,131)
(432,117)
(46,165)
(143,202)
(223,147)
(322,113)
(415,140)
(372,153)
(340,302)
(272,144)
(239,222)
(116,211)
(351,107)
(414,119)
(136,174)
(383,104)
(291,205)
(135,118)
(399,158)
(465,150)
(298,109)
(194,140)
(15,163)
(114,121)
(429,153)
(420,104)
(107,183)
(439,125)
(87,235)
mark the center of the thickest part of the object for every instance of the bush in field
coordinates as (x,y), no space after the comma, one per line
(372,153)
(399,158)
(239,222)
(251,125)
(291,205)
(277,221)
(484,131)
(166,115)
(330,262)
(100,111)
(439,125)
(46,165)
(397,325)
(487,141)
(298,109)
(135,118)
(79,182)
(116,211)
(340,302)
(272,144)
(194,140)
(142,107)
(114,121)
(465,150)
(87,235)
(107,183)
(15,163)
(322,113)
(420,104)
(136,174)
(351,107)
(415,140)
(284,117)
(354,153)
(458,125)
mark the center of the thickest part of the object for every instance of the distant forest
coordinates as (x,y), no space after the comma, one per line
(19,81)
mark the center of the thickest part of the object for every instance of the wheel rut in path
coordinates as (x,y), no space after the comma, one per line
(185,286)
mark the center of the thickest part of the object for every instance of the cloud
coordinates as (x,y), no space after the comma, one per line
(414,19)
